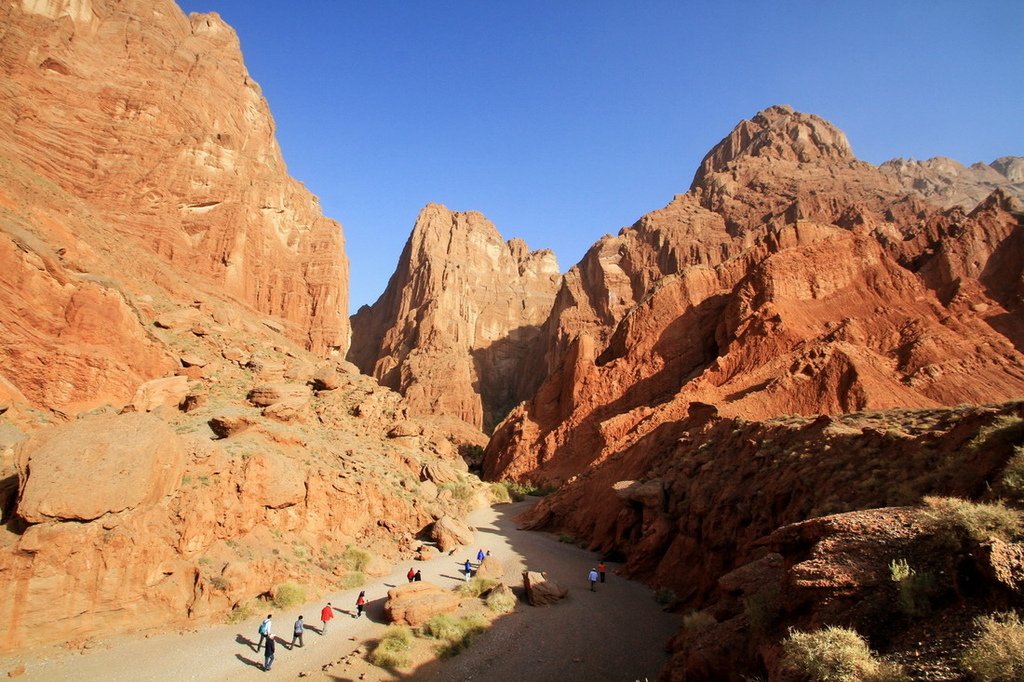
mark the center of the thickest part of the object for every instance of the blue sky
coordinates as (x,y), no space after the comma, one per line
(564,121)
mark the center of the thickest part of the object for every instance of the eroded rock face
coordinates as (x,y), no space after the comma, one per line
(949,183)
(542,591)
(450,533)
(150,118)
(457,331)
(91,467)
(789,280)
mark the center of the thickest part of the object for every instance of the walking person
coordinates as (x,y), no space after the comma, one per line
(411,574)
(325,615)
(268,656)
(264,630)
(297,631)
(601,570)
(418,577)
(593,579)
(468,568)
(479,556)
(360,604)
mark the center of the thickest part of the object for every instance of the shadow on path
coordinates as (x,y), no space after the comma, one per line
(249,661)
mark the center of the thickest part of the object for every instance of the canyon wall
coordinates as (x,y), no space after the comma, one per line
(458,329)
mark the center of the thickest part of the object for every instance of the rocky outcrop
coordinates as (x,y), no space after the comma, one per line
(457,331)
(541,590)
(450,534)
(787,281)
(949,183)
(148,120)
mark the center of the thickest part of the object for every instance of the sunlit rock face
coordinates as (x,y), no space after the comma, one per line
(150,119)
(458,330)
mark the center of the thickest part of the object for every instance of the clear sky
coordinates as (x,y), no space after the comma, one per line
(562,121)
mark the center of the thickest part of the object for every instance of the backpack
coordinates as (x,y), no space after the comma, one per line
(264,627)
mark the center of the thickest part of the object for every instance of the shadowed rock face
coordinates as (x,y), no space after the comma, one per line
(791,279)
(457,331)
(150,119)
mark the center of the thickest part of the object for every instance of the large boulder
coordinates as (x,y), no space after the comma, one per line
(106,464)
(168,391)
(268,394)
(540,590)
(438,472)
(414,604)
(450,533)
(490,568)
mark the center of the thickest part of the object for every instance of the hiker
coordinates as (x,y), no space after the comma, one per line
(360,604)
(411,575)
(325,615)
(418,577)
(479,556)
(593,579)
(268,657)
(601,570)
(468,568)
(297,631)
(264,631)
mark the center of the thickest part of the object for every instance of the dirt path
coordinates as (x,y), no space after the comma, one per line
(615,633)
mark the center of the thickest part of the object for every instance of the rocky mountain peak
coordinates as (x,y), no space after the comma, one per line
(778,132)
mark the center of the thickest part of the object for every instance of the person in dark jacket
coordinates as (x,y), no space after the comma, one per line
(268,656)
(297,631)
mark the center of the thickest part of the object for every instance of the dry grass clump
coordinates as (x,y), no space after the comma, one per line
(1011,483)
(915,588)
(355,559)
(698,621)
(957,520)
(289,594)
(499,493)
(455,634)
(836,654)
(476,587)
(997,652)
(392,651)
(501,601)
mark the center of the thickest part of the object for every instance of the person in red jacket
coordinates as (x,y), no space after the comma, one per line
(325,615)
(360,604)
(601,570)
(411,574)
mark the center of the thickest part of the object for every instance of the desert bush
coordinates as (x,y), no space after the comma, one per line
(241,612)
(698,621)
(915,588)
(499,493)
(996,654)
(567,539)
(392,651)
(956,520)
(461,489)
(501,602)
(836,654)
(666,596)
(455,633)
(289,594)
(351,580)
(519,491)
(355,559)
(763,610)
(1012,481)
(476,586)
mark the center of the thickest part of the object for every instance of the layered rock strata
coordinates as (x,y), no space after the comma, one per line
(457,331)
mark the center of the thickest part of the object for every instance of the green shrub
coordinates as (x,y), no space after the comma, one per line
(502,601)
(241,613)
(461,489)
(351,580)
(567,539)
(915,588)
(519,491)
(665,596)
(476,586)
(455,633)
(956,520)
(698,621)
(1012,482)
(356,559)
(289,594)
(392,651)
(997,652)
(836,655)
(499,493)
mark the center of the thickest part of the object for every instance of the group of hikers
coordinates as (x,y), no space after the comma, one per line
(597,573)
(269,645)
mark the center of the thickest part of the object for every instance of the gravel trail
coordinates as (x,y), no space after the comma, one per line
(616,633)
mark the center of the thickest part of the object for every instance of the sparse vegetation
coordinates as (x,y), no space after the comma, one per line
(351,580)
(763,610)
(454,633)
(698,621)
(997,652)
(1012,481)
(356,559)
(289,594)
(955,520)
(915,588)
(499,493)
(519,491)
(501,601)
(392,651)
(567,539)
(476,587)
(665,596)
(241,612)
(836,654)
(461,489)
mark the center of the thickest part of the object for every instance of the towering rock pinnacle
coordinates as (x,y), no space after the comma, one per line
(457,330)
(151,118)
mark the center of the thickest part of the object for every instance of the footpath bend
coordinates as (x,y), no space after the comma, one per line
(618,632)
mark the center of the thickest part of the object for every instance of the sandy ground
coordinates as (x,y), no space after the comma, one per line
(616,633)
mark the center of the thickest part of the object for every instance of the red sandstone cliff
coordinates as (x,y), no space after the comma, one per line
(457,331)
(791,279)
(151,120)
